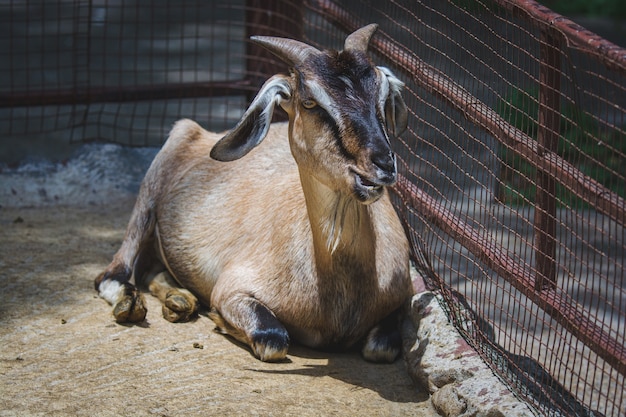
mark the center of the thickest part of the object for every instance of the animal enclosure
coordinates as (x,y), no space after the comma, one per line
(513,167)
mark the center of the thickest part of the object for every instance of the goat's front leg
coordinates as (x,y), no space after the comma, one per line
(384,343)
(178,303)
(248,320)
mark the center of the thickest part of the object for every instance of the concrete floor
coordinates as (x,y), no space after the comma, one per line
(61,353)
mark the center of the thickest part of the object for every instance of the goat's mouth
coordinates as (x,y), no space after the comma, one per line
(367,190)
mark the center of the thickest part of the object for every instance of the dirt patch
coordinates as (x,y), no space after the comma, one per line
(61,353)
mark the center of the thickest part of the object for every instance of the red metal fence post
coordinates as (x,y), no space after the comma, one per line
(547,141)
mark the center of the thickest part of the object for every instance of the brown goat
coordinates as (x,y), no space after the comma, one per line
(296,240)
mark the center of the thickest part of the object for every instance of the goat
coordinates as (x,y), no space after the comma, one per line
(299,239)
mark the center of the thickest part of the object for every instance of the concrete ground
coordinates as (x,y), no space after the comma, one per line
(61,353)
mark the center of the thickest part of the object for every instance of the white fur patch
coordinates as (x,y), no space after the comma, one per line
(269,354)
(111,291)
(383,93)
(324,100)
(395,83)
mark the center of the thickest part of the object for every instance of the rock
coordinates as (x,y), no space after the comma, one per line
(448,403)
(439,359)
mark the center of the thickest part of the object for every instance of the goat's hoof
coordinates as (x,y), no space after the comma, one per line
(131,308)
(270,345)
(381,347)
(179,306)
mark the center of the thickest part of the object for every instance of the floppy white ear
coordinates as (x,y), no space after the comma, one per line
(396,113)
(255,123)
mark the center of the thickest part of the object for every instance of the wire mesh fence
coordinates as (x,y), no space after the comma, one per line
(513,168)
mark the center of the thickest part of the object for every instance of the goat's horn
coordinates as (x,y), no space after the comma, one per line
(360,39)
(291,51)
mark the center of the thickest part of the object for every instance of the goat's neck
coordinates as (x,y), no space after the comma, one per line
(341,226)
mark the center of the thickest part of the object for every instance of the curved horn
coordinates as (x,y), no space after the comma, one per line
(360,39)
(289,50)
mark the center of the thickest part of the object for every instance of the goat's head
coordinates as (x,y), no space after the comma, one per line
(341,110)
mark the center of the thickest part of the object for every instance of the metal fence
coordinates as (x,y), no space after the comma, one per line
(513,168)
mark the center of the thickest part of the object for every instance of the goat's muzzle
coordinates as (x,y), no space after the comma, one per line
(370,187)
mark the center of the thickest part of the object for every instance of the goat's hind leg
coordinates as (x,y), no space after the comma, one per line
(129,305)
(113,284)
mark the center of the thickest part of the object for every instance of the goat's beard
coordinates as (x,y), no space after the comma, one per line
(342,222)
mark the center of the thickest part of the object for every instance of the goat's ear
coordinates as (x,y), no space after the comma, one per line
(396,113)
(255,123)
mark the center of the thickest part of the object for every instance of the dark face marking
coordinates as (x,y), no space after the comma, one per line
(350,87)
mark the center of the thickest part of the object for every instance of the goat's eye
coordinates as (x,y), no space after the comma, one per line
(309,104)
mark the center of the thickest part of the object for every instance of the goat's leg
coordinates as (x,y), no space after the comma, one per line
(178,303)
(383,343)
(128,303)
(251,322)
(113,284)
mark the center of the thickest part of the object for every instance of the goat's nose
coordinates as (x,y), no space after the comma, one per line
(385,161)
(386,167)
